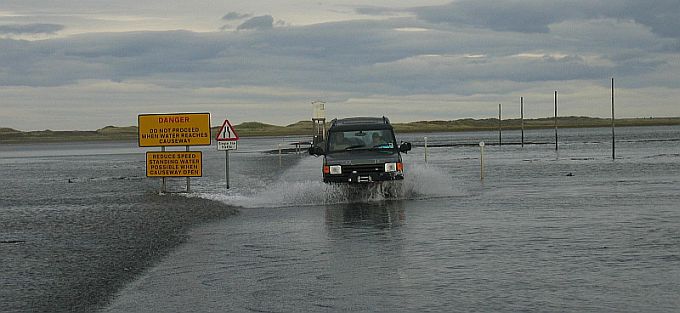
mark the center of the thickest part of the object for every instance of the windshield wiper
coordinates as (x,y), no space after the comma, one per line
(354,147)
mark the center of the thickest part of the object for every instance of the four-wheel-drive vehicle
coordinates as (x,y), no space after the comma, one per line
(361,150)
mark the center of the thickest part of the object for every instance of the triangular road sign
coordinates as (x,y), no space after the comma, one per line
(226,132)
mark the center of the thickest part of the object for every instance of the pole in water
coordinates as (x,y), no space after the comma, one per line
(613,126)
(500,132)
(163,178)
(226,166)
(521,112)
(188,178)
(481,160)
(425,149)
(555,120)
(279,155)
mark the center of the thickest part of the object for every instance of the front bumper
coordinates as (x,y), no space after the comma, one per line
(361,178)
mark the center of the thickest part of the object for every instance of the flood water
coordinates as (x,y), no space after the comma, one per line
(569,230)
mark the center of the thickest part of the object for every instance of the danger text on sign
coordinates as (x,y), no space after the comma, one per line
(181,129)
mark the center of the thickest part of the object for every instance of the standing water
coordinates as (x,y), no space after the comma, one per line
(545,231)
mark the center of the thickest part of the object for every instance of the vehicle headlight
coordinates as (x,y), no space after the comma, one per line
(390,167)
(336,169)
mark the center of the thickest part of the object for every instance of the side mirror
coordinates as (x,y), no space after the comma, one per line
(405,147)
(316,150)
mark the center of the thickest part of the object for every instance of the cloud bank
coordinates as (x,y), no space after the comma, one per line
(536,16)
(467,53)
(258,23)
(32,29)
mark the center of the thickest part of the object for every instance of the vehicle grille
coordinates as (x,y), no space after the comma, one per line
(362,169)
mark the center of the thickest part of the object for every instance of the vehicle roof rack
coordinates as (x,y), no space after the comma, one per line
(360,120)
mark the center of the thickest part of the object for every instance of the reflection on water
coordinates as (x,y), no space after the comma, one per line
(384,214)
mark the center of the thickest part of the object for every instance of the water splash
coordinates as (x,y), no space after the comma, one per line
(421,182)
(427,181)
(296,193)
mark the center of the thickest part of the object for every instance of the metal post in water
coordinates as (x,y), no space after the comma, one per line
(425,150)
(500,132)
(613,126)
(226,167)
(163,178)
(555,120)
(481,160)
(279,155)
(188,178)
(521,112)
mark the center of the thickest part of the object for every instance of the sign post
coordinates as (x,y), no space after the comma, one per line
(174,129)
(227,139)
(226,166)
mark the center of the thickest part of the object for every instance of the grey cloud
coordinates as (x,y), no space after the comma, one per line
(258,23)
(30,29)
(535,16)
(660,15)
(235,16)
(564,46)
(379,11)
(356,57)
(439,74)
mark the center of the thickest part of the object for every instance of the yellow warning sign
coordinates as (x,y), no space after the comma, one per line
(180,129)
(174,164)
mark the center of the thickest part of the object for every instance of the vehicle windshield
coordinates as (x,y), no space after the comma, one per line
(374,139)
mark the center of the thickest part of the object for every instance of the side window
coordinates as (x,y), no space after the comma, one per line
(336,141)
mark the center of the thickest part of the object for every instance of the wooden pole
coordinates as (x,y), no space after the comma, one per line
(555,120)
(500,132)
(613,126)
(521,112)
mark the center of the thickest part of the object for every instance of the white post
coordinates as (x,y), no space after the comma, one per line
(481,160)
(425,150)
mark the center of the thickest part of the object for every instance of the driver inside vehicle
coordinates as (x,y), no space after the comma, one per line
(377,140)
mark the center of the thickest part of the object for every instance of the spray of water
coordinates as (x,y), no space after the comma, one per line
(423,181)
(292,189)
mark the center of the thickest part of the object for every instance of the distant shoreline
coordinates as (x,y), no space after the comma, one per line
(256,129)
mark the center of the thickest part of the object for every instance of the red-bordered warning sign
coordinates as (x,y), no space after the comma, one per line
(226,132)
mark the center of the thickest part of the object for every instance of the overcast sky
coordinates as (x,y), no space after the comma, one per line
(85,64)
